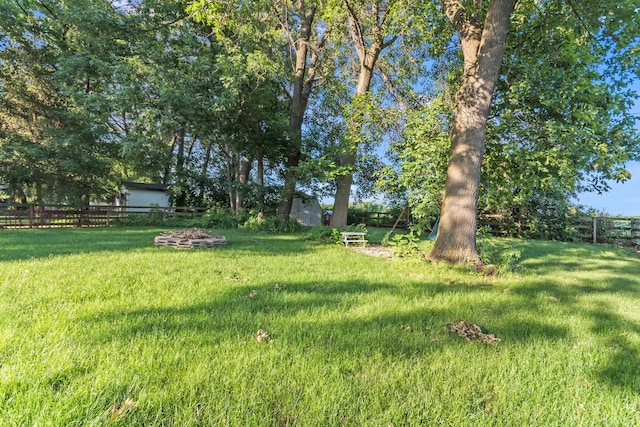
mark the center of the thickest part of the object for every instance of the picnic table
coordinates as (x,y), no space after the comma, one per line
(353,237)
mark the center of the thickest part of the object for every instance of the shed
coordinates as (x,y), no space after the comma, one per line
(307,211)
(143,196)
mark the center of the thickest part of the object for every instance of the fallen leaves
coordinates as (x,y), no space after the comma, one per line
(262,336)
(193,233)
(471,332)
(117,410)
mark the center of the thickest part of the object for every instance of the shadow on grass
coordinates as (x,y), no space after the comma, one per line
(352,317)
(327,318)
(623,367)
(43,243)
(342,317)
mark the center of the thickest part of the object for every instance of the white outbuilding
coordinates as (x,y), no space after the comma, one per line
(141,197)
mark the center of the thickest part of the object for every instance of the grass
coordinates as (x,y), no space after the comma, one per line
(98,327)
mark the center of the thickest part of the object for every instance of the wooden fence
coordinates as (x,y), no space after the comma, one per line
(390,219)
(30,216)
(602,229)
(609,229)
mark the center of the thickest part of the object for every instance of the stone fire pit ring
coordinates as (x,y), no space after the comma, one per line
(189,239)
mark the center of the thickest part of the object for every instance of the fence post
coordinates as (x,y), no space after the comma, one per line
(595,229)
(31,216)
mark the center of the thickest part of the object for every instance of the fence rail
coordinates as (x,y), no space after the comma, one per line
(606,229)
(30,216)
(601,229)
(390,219)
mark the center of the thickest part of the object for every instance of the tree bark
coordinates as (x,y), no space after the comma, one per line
(230,169)
(242,178)
(181,197)
(260,177)
(302,82)
(483,48)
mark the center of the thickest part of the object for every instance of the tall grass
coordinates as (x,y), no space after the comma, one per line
(99,327)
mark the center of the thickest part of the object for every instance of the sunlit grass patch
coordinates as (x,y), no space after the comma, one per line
(99,327)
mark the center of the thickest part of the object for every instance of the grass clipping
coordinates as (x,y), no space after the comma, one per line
(471,332)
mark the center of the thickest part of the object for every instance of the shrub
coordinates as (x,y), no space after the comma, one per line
(404,245)
(504,260)
(272,224)
(217,218)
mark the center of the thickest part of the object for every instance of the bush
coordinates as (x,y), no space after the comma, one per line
(155,216)
(272,225)
(404,245)
(217,218)
(492,254)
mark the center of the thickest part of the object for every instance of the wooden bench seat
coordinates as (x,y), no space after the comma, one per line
(353,237)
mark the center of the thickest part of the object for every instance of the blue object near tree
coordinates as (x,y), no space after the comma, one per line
(434,232)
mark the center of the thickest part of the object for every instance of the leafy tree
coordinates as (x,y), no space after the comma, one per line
(307,46)
(406,33)
(275,42)
(483,40)
(368,28)
(543,130)
(55,65)
(419,159)
(564,124)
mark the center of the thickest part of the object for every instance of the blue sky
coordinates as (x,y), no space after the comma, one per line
(623,199)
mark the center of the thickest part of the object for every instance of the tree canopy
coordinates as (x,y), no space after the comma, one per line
(495,106)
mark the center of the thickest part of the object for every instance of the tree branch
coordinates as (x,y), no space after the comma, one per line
(356,31)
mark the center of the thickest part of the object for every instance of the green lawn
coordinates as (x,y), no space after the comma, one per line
(99,327)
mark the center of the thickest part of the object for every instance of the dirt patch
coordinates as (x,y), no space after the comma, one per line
(374,250)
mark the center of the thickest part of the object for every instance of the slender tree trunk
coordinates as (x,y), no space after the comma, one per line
(348,159)
(231,172)
(167,170)
(181,197)
(483,48)
(242,178)
(302,84)
(368,54)
(260,177)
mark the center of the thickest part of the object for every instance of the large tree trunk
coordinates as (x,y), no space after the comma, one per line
(483,48)
(343,192)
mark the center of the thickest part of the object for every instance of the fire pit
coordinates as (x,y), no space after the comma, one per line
(189,239)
